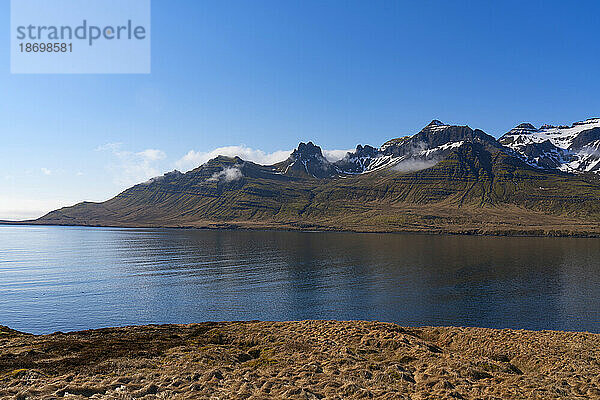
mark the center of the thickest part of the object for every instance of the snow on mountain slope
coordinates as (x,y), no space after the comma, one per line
(587,160)
(571,149)
(567,148)
(365,159)
(435,150)
(432,144)
(560,136)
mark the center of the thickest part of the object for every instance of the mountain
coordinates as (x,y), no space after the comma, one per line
(431,145)
(444,178)
(574,148)
(308,161)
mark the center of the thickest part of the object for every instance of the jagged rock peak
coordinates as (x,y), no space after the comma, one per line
(436,122)
(306,151)
(365,150)
(308,159)
(436,126)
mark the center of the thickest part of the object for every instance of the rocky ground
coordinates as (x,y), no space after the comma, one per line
(299,360)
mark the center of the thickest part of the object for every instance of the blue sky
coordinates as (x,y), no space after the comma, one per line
(267,74)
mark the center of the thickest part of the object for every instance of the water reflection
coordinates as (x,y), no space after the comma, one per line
(63,278)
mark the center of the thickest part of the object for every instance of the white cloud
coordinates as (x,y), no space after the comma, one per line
(152,154)
(412,165)
(194,159)
(46,171)
(114,147)
(228,175)
(335,155)
(128,167)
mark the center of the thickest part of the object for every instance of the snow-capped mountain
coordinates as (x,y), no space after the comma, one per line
(572,148)
(444,178)
(433,143)
(365,159)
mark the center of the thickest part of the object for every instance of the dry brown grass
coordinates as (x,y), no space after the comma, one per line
(435,218)
(300,360)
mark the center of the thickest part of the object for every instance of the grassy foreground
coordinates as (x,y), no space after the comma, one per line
(300,360)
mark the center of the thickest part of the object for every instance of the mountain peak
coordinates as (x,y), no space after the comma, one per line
(306,151)
(436,126)
(436,122)
(308,159)
(526,126)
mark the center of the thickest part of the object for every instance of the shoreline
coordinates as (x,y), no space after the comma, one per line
(552,233)
(303,360)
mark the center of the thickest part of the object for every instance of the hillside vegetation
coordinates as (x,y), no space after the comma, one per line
(444,179)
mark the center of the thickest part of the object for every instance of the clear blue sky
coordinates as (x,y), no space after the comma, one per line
(268,74)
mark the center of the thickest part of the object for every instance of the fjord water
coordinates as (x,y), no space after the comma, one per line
(74,278)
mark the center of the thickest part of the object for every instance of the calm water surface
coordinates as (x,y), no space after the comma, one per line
(70,278)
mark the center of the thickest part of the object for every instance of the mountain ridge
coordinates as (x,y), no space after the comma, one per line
(443,179)
(572,148)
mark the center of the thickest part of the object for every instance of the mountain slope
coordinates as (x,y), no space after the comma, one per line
(572,148)
(443,179)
